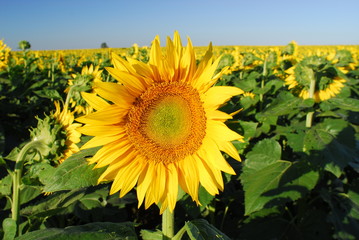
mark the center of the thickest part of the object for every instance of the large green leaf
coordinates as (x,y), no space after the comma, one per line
(285,103)
(91,231)
(343,214)
(268,181)
(74,172)
(151,235)
(350,104)
(264,153)
(53,204)
(200,229)
(9,226)
(331,145)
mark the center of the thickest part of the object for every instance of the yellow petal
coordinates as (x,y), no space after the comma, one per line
(172,186)
(114,92)
(112,114)
(144,181)
(95,101)
(105,130)
(216,96)
(219,131)
(207,181)
(102,140)
(132,83)
(189,169)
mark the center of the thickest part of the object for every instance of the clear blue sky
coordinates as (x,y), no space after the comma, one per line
(75,24)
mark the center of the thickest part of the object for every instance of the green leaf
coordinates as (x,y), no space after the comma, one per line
(95,199)
(5,186)
(275,184)
(353,195)
(331,145)
(204,197)
(151,235)
(350,104)
(10,228)
(53,204)
(345,225)
(28,193)
(265,153)
(268,181)
(282,108)
(74,172)
(246,84)
(13,154)
(91,231)
(285,103)
(200,229)
(248,128)
(48,93)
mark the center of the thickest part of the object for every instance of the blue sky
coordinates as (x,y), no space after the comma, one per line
(66,24)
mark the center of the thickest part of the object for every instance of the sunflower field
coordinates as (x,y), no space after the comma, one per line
(180,142)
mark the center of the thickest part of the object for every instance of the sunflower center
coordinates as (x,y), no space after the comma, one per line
(167,122)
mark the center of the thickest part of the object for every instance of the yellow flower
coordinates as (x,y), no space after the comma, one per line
(330,91)
(249,94)
(82,82)
(66,119)
(4,55)
(161,127)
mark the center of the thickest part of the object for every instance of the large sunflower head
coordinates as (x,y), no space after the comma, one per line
(160,126)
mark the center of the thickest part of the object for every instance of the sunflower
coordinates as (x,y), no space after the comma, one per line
(66,120)
(161,127)
(82,82)
(4,55)
(58,134)
(328,83)
(330,91)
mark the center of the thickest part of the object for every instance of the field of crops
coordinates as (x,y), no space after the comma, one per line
(297,112)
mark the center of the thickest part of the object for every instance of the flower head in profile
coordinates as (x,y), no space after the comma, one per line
(160,126)
(58,134)
(82,83)
(328,82)
(65,118)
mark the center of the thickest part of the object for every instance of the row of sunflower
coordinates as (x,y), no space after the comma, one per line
(199,142)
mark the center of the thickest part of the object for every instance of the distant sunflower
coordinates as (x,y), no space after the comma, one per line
(4,55)
(328,83)
(331,90)
(82,82)
(161,127)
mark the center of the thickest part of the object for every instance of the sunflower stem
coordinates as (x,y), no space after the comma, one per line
(16,180)
(309,120)
(167,224)
(264,74)
(68,97)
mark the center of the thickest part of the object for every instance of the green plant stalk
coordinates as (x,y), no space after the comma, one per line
(16,179)
(52,72)
(167,224)
(264,74)
(68,97)
(309,120)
